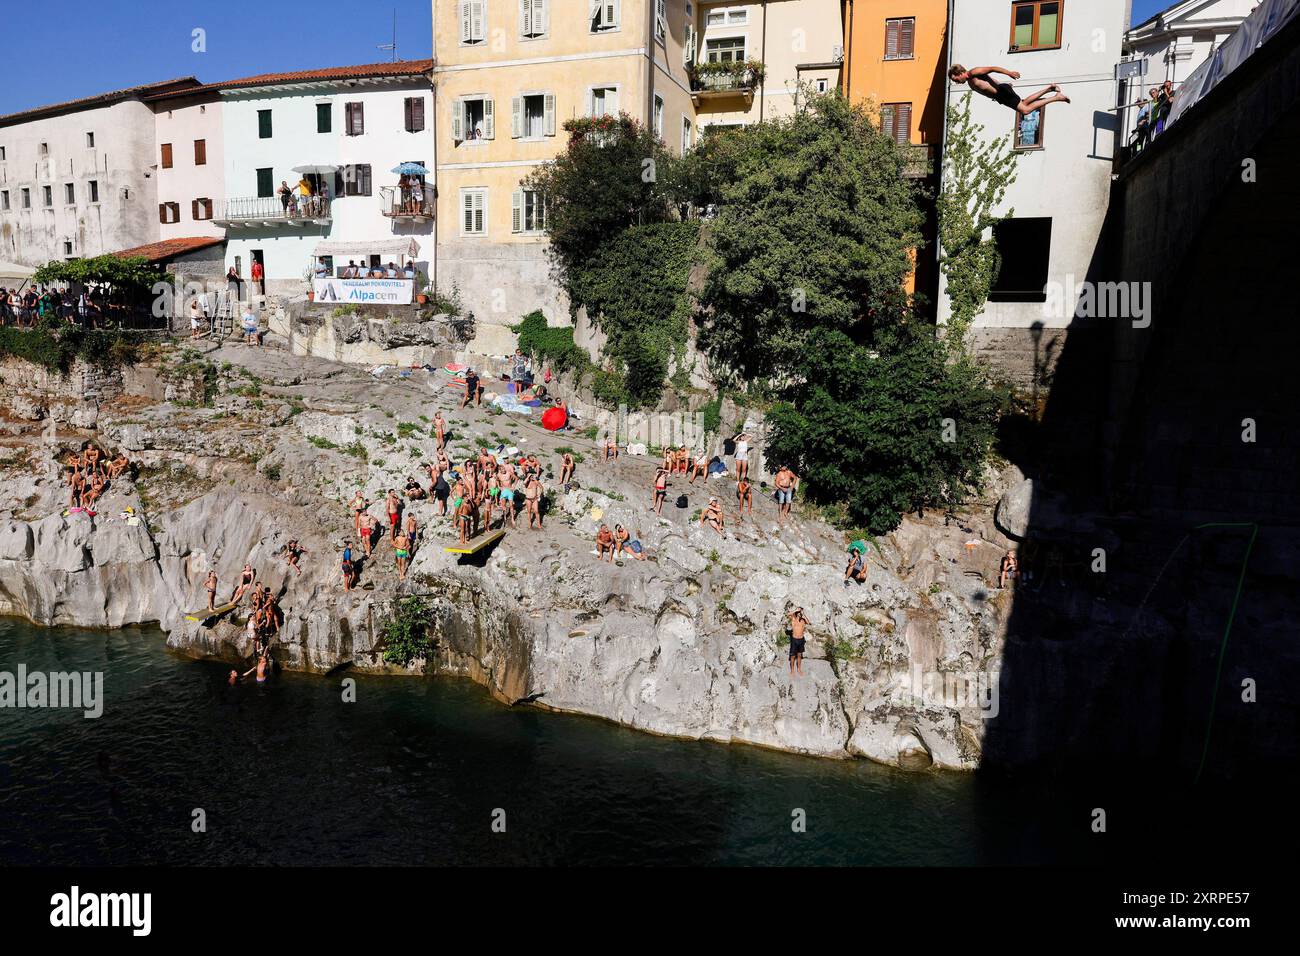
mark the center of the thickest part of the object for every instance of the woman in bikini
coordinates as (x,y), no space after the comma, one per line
(358,506)
(246,579)
(292,552)
(210,585)
(566,469)
(660,490)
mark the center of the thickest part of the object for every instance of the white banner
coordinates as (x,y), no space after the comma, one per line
(361,291)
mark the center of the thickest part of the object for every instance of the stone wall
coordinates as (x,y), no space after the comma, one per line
(500,283)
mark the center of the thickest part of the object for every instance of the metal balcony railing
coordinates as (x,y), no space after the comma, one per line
(739,81)
(395,208)
(272,209)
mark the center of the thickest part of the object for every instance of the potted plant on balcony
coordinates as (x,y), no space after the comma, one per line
(307,276)
(421,290)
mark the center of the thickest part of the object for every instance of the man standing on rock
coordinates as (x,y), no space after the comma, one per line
(349,572)
(211,585)
(402,546)
(440,429)
(786,482)
(797,642)
(393,502)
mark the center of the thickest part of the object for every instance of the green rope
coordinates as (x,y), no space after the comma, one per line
(1223,648)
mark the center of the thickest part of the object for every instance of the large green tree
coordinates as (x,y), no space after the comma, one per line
(814,232)
(884,431)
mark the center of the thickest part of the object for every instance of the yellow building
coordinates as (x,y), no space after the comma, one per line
(896,59)
(509,73)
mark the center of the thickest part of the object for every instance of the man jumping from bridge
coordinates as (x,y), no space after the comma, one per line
(978,80)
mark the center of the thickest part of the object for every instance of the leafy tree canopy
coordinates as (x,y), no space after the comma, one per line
(133,274)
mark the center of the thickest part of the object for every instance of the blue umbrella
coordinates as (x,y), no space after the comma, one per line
(411,169)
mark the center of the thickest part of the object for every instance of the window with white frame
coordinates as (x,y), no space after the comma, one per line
(725,50)
(532,116)
(734,16)
(602,101)
(659,116)
(473,118)
(686,133)
(661,20)
(528,211)
(473,21)
(473,212)
(534,17)
(604,15)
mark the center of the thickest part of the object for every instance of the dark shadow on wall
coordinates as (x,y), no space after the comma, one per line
(1163,688)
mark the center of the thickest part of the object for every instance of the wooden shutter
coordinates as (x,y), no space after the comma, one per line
(477,15)
(478,211)
(467,212)
(906,38)
(541,16)
(166,155)
(489,119)
(162,212)
(194,210)
(363,175)
(417,108)
(356,119)
(611,12)
(548,107)
(903,123)
(517,211)
(466,22)
(516,115)
(457,120)
(200,152)
(525,17)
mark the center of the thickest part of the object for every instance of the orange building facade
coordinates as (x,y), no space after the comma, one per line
(895,58)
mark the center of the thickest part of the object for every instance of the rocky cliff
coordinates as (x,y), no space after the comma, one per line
(237,450)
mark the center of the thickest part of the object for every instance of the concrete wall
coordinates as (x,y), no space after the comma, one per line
(120,163)
(1068,179)
(180,121)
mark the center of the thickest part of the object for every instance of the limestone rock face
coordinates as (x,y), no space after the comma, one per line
(691,642)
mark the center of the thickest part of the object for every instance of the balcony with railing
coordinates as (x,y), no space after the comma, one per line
(401,206)
(711,80)
(255,211)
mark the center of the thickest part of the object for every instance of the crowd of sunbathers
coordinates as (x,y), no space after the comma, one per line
(88,473)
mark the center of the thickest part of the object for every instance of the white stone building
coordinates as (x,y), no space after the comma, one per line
(1177,40)
(77,179)
(190,163)
(1062,188)
(350,126)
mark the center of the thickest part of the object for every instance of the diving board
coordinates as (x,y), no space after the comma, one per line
(474,547)
(205,615)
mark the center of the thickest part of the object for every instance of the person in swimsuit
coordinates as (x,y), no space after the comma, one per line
(441,490)
(464,519)
(402,550)
(786,482)
(978,79)
(292,552)
(604,543)
(797,641)
(742,455)
(246,579)
(621,537)
(117,466)
(533,499)
(699,467)
(210,585)
(440,429)
(744,496)
(412,529)
(507,482)
(263,665)
(660,490)
(492,497)
(349,572)
(712,516)
(76,488)
(92,459)
(566,469)
(634,548)
(358,506)
(394,504)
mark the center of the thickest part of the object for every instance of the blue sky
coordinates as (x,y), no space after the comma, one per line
(111,44)
(107,45)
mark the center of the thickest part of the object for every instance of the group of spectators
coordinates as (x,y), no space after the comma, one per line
(363,271)
(304,199)
(25,308)
(412,190)
(1153,114)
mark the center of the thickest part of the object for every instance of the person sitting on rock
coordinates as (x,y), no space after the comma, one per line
(247,577)
(621,537)
(604,542)
(91,495)
(92,458)
(857,566)
(117,466)
(413,489)
(712,516)
(1009,569)
(634,547)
